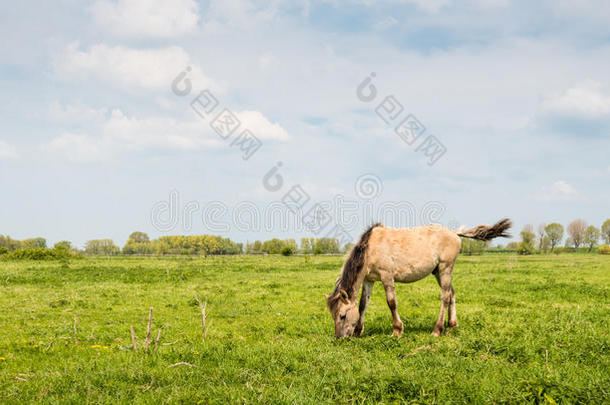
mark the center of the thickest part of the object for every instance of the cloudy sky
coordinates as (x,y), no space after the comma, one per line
(92,137)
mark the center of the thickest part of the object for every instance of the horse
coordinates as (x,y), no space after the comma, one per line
(402,255)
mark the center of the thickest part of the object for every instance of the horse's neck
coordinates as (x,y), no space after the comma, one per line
(357,285)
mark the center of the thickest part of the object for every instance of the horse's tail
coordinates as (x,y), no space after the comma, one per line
(352,267)
(484,232)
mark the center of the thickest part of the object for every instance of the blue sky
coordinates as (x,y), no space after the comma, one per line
(92,136)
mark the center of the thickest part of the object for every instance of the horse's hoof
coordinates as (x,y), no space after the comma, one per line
(436,333)
(396,333)
(452,324)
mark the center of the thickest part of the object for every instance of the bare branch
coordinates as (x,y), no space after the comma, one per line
(204,316)
(133,340)
(148,328)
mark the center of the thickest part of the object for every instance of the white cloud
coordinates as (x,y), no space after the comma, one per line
(157,132)
(586,99)
(261,127)
(558,191)
(78,148)
(486,4)
(591,10)
(76,113)
(151,69)
(265,60)
(583,109)
(121,133)
(430,6)
(7,151)
(147,18)
(385,23)
(229,15)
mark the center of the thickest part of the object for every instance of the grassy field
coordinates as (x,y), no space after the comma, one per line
(532,329)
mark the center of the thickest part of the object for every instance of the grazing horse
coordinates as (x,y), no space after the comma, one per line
(401,255)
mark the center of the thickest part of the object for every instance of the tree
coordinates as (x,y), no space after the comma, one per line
(253,248)
(545,245)
(576,230)
(273,246)
(139,237)
(34,243)
(541,233)
(9,243)
(327,245)
(606,231)
(348,247)
(526,247)
(555,233)
(64,244)
(101,247)
(290,243)
(471,247)
(139,243)
(307,245)
(591,237)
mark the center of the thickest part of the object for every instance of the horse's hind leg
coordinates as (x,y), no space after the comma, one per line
(452,311)
(443,276)
(390,294)
(367,287)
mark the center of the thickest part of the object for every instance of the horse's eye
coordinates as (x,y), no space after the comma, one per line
(343,317)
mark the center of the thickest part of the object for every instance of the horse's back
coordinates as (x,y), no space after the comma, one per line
(411,253)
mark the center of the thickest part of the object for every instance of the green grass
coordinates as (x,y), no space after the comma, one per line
(531,329)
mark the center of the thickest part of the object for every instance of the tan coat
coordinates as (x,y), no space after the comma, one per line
(401,255)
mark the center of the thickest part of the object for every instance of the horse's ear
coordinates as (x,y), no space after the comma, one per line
(326,296)
(344,296)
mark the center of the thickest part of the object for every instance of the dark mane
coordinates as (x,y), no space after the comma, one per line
(352,267)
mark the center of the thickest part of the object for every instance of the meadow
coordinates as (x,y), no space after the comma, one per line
(532,329)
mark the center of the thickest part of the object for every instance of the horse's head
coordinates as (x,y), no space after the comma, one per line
(344,312)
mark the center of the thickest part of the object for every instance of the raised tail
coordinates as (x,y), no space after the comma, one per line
(484,232)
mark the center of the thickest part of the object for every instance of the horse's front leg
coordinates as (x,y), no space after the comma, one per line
(390,295)
(367,288)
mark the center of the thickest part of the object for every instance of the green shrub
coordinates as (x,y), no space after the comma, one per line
(317,251)
(39,254)
(604,249)
(287,251)
(471,247)
(526,247)
(3,250)
(565,250)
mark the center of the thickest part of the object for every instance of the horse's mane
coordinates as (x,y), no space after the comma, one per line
(352,267)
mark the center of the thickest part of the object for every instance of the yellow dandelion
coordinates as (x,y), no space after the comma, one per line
(96,346)
(105,347)
(2,359)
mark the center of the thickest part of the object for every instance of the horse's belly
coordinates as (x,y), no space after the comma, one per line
(408,271)
(411,275)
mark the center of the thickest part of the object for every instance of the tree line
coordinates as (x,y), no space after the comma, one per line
(314,246)
(139,243)
(579,234)
(548,238)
